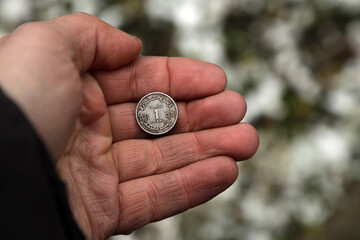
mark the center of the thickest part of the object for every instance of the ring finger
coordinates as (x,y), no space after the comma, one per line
(139,158)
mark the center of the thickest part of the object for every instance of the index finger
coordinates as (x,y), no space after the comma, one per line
(181,78)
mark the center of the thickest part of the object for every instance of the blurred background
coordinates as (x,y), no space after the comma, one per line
(297,63)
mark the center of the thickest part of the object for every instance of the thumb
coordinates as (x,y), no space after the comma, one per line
(96,44)
(41,65)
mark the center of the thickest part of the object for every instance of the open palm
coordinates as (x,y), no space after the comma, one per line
(117,177)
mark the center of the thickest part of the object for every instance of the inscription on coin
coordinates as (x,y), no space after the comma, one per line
(156,113)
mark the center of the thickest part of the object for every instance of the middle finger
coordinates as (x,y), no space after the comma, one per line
(220,110)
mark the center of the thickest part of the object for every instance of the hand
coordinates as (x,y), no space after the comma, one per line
(79,83)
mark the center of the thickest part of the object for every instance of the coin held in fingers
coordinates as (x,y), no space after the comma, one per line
(156,113)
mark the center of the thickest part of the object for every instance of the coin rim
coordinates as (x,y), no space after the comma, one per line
(176,108)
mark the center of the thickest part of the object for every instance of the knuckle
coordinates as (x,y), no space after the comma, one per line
(32,28)
(184,184)
(152,192)
(157,158)
(38,34)
(83,17)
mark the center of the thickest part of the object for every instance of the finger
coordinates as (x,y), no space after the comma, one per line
(156,197)
(139,158)
(182,79)
(97,45)
(223,109)
(3,38)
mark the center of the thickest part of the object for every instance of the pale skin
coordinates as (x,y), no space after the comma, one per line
(78,79)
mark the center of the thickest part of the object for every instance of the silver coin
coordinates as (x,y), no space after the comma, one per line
(156,113)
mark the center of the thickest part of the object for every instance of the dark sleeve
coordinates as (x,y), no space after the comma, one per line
(33,203)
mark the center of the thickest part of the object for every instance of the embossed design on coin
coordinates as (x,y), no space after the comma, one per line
(156,113)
